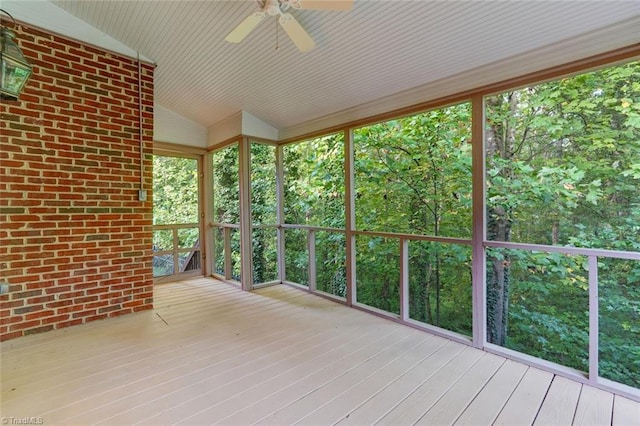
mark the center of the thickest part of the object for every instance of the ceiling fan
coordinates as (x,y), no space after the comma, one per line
(291,26)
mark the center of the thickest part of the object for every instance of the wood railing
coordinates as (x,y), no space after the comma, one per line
(179,258)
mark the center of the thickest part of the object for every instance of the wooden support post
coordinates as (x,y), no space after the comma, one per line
(206,214)
(246,227)
(478,267)
(282,273)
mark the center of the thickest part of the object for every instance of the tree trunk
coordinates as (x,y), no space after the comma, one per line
(427,297)
(498,228)
(500,143)
(555,232)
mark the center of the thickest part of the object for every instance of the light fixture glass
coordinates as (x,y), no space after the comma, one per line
(14,68)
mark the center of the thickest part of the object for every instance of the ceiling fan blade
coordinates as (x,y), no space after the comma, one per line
(326,4)
(296,33)
(245,27)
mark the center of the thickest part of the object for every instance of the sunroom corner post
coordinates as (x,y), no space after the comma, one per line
(478,265)
(350,220)
(246,249)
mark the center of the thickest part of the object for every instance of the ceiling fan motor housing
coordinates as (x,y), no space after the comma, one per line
(291,26)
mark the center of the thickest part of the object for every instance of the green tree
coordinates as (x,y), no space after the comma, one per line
(314,196)
(413,175)
(263,212)
(175,201)
(226,206)
(562,162)
(175,190)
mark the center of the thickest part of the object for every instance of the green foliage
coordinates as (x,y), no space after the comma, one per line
(175,190)
(263,184)
(218,251)
(314,182)
(440,285)
(548,306)
(562,169)
(226,209)
(265,261)
(296,256)
(377,273)
(567,152)
(314,195)
(226,185)
(175,201)
(263,212)
(619,291)
(226,206)
(413,176)
(331,271)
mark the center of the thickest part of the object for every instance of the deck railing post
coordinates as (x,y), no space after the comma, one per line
(404,279)
(311,250)
(228,266)
(593,320)
(176,258)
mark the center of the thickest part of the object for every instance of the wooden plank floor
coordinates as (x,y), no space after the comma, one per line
(212,354)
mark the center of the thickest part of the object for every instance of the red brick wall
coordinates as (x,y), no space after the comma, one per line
(75,242)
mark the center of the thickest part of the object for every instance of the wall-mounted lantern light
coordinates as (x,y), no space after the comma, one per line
(14,68)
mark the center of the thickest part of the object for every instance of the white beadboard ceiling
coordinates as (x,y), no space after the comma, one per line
(376,50)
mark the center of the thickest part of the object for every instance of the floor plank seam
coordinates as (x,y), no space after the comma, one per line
(575,410)
(160,316)
(511,394)
(451,385)
(391,383)
(416,388)
(479,392)
(546,394)
(386,364)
